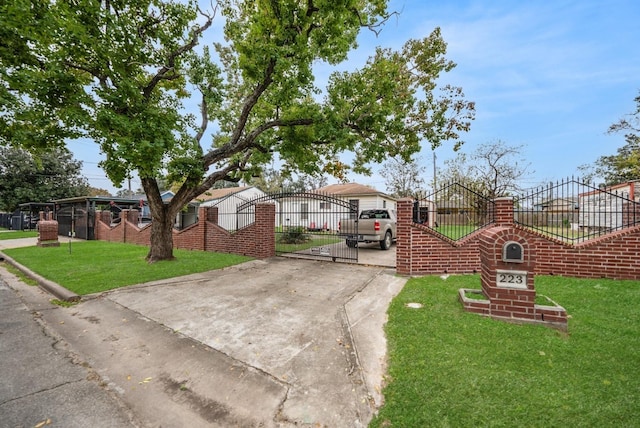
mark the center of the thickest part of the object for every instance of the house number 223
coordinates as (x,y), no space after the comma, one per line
(511,279)
(508,278)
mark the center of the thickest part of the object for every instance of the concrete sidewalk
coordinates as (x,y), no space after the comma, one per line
(272,343)
(31,242)
(17,243)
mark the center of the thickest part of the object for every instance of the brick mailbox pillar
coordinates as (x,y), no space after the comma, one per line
(507,272)
(507,275)
(47,230)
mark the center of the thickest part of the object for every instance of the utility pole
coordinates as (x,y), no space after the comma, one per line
(434,171)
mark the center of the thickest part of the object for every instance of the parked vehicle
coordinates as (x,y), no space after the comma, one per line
(372,226)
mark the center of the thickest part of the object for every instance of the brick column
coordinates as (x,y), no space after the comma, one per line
(131,216)
(202,229)
(123,224)
(265,230)
(102,220)
(103,216)
(504,211)
(404,242)
(212,214)
(47,231)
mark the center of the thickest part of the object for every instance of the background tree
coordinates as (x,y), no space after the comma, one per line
(125,194)
(304,183)
(625,164)
(404,179)
(270,180)
(124,74)
(494,169)
(28,178)
(273,180)
(96,191)
(223,184)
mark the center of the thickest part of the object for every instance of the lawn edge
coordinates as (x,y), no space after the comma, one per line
(51,287)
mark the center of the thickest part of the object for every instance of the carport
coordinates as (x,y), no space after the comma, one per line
(76,216)
(27,215)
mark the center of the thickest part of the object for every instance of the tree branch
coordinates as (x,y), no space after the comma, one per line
(233,146)
(171,60)
(377,27)
(205,119)
(249,141)
(102,78)
(211,179)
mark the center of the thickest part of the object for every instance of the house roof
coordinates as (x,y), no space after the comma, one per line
(351,189)
(213,194)
(614,188)
(97,199)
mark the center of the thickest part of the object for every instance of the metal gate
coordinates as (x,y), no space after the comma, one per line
(308,224)
(75,220)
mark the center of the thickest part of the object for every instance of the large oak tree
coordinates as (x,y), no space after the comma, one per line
(131,75)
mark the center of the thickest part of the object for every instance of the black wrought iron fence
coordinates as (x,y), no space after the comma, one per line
(454,211)
(573,211)
(306,223)
(228,217)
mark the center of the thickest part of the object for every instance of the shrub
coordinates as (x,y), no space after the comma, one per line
(294,235)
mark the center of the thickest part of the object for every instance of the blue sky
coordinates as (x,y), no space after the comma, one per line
(548,75)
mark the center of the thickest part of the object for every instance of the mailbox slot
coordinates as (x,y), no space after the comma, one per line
(513,252)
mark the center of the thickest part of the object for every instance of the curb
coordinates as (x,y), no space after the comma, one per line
(49,286)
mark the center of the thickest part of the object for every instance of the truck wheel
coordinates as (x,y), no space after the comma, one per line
(352,244)
(386,242)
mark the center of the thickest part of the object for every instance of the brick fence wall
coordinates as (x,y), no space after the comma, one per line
(256,240)
(421,251)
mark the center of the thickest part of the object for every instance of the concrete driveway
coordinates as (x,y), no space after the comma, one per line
(368,254)
(372,255)
(273,343)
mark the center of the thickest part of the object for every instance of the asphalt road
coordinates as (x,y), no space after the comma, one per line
(42,383)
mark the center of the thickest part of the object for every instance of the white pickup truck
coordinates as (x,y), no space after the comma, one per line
(372,226)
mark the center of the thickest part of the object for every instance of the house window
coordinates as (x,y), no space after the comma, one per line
(304,211)
(325,205)
(384,204)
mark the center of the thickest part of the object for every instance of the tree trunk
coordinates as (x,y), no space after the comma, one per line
(161,247)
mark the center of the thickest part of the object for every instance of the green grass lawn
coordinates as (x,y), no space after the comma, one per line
(450,368)
(16,234)
(455,231)
(317,240)
(566,233)
(93,266)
